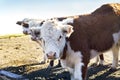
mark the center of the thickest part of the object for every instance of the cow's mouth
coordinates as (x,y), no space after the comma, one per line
(25,32)
(33,39)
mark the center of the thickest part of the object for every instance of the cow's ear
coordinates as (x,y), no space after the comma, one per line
(19,22)
(67,30)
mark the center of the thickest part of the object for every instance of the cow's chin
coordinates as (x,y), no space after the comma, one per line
(33,39)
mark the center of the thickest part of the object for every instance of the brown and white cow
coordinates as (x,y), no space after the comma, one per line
(27,24)
(79,39)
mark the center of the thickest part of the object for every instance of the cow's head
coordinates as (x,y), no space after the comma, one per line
(53,36)
(27,24)
(35,33)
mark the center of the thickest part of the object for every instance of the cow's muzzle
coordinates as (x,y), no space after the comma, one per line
(51,55)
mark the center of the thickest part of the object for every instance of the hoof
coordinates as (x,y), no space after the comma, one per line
(113,69)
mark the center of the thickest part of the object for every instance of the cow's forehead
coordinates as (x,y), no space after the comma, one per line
(34,23)
(55,28)
(50,29)
(26,20)
(52,24)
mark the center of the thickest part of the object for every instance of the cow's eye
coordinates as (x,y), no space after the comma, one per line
(59,38)
(42,23)
(25,25)
(37,33)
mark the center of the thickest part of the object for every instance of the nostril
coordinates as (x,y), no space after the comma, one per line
(47,55)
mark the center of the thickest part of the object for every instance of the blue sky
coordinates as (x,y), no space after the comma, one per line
(14,10)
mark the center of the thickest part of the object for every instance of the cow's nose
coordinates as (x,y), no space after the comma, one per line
(51,55)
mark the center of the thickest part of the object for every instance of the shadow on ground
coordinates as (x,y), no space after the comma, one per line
(103,73)
(58,73)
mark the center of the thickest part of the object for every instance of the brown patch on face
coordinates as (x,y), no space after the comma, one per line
(25,25)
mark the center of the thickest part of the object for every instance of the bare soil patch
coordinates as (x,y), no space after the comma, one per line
(20,55)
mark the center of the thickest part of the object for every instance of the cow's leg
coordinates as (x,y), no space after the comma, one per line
(101,62)
(78,71)
(96,61)
(115,51)
(71,70)
(84,71)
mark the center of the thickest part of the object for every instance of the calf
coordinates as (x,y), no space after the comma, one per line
(29,23)
(79,39)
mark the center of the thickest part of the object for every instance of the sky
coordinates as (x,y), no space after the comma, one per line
(12,11)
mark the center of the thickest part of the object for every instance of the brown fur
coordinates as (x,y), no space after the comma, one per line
(95,31)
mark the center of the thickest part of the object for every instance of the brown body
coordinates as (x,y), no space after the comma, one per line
(95,31)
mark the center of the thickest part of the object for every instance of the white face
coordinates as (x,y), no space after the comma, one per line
(29,23)
(53,34)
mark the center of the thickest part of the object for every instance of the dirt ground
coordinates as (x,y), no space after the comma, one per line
(22,56)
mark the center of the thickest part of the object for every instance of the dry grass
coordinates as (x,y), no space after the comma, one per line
(20,55)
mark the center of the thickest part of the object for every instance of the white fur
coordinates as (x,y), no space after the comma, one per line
(68,20)
(31,23)
(115,51)
(73,63)
(116,37)
(50,33)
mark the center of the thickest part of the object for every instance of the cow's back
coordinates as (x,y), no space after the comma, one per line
(98,28)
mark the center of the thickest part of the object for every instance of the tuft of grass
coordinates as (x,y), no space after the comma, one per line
(11,35)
